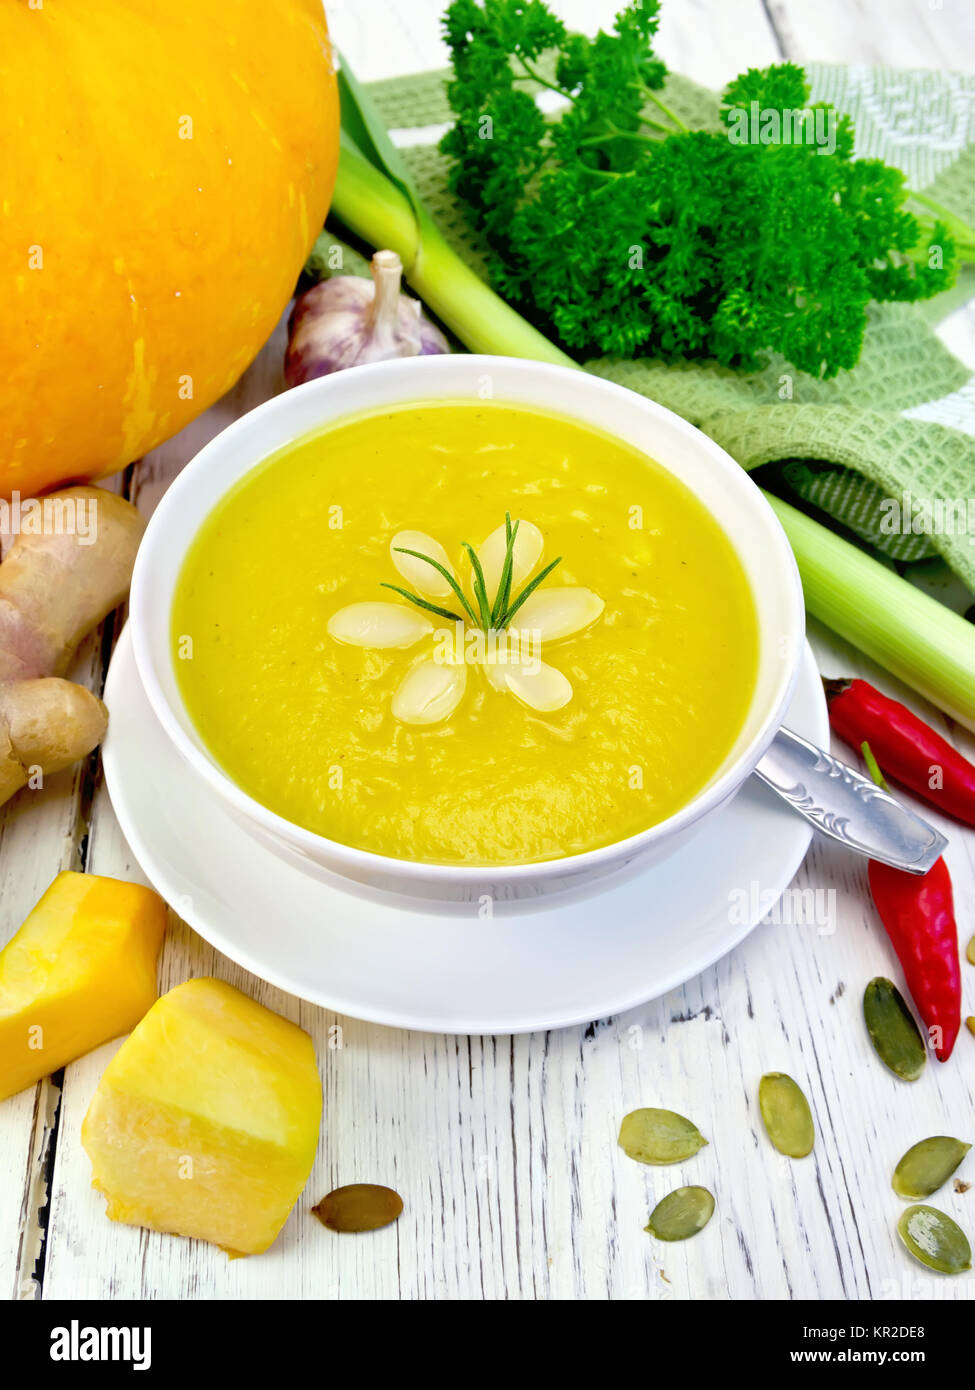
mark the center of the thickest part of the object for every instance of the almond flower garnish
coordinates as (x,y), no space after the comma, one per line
(483,633)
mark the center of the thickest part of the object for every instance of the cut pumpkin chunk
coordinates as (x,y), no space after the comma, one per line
(81,970)
(206,1121)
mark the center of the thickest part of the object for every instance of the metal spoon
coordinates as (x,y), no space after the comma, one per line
(847,807)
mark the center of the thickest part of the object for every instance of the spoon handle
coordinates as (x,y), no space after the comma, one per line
(847,807)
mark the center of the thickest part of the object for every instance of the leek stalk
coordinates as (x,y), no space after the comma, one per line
(376,210)
(903,629)
(908,632)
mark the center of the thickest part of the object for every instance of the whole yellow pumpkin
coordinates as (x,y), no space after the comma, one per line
(166,167)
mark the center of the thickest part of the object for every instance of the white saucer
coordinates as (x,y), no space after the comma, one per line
(443,968)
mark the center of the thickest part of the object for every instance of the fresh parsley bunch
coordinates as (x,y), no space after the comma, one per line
(624,232)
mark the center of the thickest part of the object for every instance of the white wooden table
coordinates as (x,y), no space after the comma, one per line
(505,1148)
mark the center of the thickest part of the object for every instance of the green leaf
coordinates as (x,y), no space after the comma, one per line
(363,127)
(749,242)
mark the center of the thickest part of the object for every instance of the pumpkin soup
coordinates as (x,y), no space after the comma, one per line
(465,633)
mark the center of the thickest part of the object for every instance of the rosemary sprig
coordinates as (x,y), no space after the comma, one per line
(496,615)
(422,603)
(480,587)
(528,590)
(441,569)
(503,596)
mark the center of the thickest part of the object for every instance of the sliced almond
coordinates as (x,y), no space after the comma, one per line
(548,615)
(378,625)
(495,666)
(536,685)
(529,544)
(424,578)
(430,692)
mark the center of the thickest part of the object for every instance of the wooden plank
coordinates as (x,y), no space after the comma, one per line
(899,33)
(709,40)
(37,837)
(712,42)
(41,832)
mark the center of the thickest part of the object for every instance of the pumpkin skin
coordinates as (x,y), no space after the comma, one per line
(166,170)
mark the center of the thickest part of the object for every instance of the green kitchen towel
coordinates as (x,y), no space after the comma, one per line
(887,443)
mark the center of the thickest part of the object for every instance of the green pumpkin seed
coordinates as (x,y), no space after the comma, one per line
(935,1240)
(970,1024)
(893,1032)
(785,1110)
(681,1214)
(361,1206)
(659,1136)
(927,1166)
(970,953)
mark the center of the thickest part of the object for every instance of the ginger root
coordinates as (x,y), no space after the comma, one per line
(45,726)
(56,585)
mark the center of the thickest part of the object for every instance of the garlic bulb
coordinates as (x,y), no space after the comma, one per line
(347,320)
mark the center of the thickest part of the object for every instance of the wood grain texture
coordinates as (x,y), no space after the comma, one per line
(504,1149)
(900,33)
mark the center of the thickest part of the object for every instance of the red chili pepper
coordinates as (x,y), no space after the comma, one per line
(918,913)
(906,748)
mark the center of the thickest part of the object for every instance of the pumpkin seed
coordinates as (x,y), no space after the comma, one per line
(927,1166)
(970,1024)
(681,1214)
(893,1032)
(970,953)
(659,1136)
(362,1206)
(935,1240)
(785,1111)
